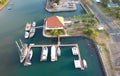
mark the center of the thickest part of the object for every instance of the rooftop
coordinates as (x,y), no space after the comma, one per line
(54,22)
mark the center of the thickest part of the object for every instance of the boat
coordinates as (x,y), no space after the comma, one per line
(44,54)
(9,8)
(28,27)
(58,51)
(33,24)
(23,53)
(53,53)
(26,34)
(77,63)
(75,50)
(84,63)
(27,30)
(28,58)
(32,32)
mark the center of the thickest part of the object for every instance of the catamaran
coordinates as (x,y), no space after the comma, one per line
(44,54)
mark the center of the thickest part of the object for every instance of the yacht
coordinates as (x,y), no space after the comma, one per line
(26,34)
(33,24)
(32,32)
(28,27)
(28,58)
(44,54)
(53,53)
(75,50)
(84,63)
(27,30)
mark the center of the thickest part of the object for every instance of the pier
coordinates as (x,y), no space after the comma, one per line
(39,27)
(78,63)
(61,45)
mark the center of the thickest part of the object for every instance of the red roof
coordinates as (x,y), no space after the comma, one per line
(54,22)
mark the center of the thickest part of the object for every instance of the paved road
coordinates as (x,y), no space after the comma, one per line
(112,28)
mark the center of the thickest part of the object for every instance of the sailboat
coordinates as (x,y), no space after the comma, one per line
(28,58)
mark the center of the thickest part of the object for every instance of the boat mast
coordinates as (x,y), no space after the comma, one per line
(18,46)
(21,43)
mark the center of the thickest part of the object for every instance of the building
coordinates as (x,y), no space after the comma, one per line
(112,5)
(54,22)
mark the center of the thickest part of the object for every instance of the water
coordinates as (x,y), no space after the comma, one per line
(12,23)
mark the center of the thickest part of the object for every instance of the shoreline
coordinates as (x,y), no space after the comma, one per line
(2,6)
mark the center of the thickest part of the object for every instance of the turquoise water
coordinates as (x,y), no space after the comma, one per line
(12,23)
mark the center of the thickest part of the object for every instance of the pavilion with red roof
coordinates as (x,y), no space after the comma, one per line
(54,22)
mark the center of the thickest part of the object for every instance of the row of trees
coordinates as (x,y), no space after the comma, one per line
(57,32)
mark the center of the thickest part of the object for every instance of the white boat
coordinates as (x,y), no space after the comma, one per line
(23,53)
(44,54)
(26,34)
(28,27)
(9,8)
(34,24)
(27,63)
(75,50)
(32,32)
(84,63)
(53,53)
(28,58)
(58,51)
(77,63)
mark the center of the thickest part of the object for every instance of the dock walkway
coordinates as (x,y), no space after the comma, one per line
(61,45)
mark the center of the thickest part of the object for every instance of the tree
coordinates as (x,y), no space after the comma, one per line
(56,32)
(91,32)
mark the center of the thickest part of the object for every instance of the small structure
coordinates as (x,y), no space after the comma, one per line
(100,28)
(112,5)
(54,4)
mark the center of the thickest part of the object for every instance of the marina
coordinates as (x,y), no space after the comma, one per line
(13,30)
(54,54)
